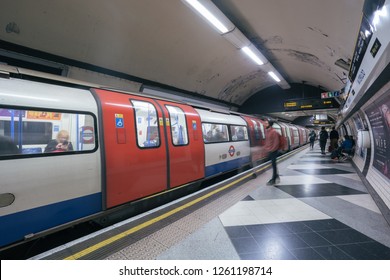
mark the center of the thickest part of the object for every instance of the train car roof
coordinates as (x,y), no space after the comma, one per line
(219,117)
(23,93)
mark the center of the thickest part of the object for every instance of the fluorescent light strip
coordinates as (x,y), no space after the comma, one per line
(272,74)
(207,15)
(252,55)
(232,34)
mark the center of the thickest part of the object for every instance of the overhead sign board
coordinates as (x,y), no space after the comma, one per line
(309,104)
(330,94)
(322,122)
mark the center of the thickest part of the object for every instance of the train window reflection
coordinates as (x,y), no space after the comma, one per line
(146,123)
(238,132)
(37,132)
(178,126)
(213,133)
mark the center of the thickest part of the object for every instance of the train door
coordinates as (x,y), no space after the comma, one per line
(295,137)
(284,134)
(301,136)
(288,135)
(278,128)
(184,143)
(135,153)
(256,132)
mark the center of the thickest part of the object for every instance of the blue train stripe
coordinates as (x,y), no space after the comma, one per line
(15,226)
(226,166)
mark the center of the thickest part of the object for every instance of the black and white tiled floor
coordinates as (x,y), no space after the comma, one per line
(307,240)
(289,228)
(320,210)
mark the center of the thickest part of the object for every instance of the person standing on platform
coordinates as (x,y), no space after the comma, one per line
(323,138)
(312,138)
(334,138)
(272,147)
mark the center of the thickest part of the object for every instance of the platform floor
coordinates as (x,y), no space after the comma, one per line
(319,210)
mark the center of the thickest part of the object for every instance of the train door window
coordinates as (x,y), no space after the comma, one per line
(213,133)
(288,132)
(36,132)
(262,129)
(295,135)
(238,133)
(178,123)
(278,128)
(259,130)
(148,134)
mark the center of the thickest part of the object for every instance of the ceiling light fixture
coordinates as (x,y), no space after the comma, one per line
(237,38)
(209,11)
(252,55)
(212,14)
(273,75)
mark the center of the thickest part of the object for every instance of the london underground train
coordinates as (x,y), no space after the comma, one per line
(120,148)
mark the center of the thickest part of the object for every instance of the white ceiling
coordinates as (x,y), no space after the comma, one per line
(167,43)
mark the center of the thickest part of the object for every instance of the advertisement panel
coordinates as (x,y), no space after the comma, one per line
(379,117)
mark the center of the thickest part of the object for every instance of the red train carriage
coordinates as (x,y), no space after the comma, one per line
(144,136)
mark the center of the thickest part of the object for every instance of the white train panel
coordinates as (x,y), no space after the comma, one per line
(226,142)
(42,189)
(222,157)
(32,94)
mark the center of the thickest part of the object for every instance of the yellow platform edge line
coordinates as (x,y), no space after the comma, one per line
(161,217)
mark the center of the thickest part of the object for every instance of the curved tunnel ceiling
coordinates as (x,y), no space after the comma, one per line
(167,43)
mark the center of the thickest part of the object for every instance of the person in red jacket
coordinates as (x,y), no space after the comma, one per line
(272,147)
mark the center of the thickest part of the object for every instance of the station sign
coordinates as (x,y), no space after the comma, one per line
(87,135)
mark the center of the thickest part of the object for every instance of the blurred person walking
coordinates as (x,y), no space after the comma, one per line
(272,147)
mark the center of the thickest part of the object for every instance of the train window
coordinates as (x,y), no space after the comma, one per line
(213,133)
(148,135)
(178,126)
(279,130)
(37,132)
(259,130)
(238,132)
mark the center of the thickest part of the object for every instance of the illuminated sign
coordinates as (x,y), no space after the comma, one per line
(290,104)
(375,47)
(309,104)
(322,122)
(43,115)
(330,94)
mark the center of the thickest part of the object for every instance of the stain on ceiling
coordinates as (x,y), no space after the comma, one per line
(167,43)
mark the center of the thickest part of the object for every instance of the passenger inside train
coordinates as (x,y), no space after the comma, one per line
(39,132)
(7,146)
(60,144)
